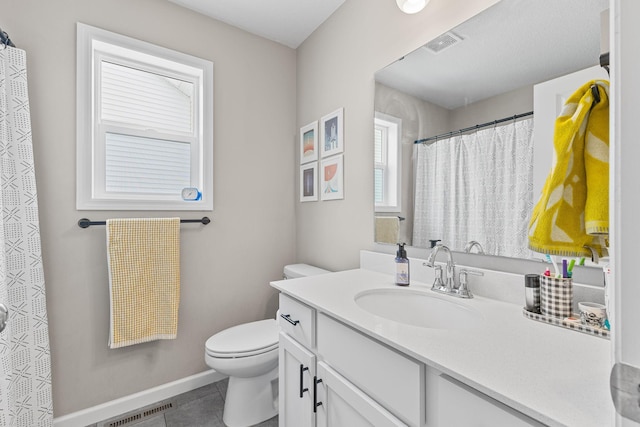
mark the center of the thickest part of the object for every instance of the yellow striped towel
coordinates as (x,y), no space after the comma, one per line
(573,211)
(144,279)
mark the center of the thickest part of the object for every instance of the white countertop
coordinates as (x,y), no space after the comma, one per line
(558,376)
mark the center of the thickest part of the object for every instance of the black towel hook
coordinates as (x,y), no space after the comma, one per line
(596,93)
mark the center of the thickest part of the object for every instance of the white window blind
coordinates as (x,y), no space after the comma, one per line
(145,99)
(146,165)
(379,185)
(379,148)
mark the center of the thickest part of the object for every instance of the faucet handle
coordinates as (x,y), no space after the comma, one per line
(438,284)
(463,289)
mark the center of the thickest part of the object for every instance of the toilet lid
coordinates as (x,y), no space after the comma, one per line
(244,340)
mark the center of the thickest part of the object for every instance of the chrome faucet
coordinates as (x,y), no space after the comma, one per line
(470,246)
(449,284)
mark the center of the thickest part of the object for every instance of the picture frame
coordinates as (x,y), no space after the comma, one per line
(309,143)
(332,178)
(309,182)
(332,133)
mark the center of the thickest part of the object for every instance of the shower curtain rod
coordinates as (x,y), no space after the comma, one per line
(5,40)
(86,222)
(476,127)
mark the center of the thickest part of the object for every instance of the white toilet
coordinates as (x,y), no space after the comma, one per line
(248,354)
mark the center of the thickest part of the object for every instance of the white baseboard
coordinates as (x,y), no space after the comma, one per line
(134,401)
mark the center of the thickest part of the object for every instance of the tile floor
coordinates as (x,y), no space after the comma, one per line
(201,407)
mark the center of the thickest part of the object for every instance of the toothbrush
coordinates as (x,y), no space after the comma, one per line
(550,260)
(572,263)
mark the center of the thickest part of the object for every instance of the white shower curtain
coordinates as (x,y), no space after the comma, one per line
(476,187)
(25,369)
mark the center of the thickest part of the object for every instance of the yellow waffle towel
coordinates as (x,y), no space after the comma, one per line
(144,279)
(573,210)
(387,229)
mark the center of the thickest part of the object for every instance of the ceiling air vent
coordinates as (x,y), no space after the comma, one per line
(442,42)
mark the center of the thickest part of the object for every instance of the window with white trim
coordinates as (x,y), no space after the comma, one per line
(145,131)
(387,163)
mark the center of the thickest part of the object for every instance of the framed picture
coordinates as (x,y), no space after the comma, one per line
(331,133)
(331,178)
(309,143)
(309,182)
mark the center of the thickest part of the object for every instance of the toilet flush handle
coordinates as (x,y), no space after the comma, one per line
(288,318)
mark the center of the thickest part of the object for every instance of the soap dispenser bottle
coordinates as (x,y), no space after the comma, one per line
(402,266)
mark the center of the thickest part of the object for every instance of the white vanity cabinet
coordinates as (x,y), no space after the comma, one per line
(313,393)
(505,371)
(332,375)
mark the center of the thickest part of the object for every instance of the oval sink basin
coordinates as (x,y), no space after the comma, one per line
(419,309)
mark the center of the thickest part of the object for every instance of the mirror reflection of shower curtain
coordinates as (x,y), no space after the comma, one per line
(476,187)
(25,368)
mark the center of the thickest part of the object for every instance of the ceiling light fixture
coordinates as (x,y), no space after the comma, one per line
(411,6)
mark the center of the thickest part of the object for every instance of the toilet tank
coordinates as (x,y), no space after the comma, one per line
(302,270)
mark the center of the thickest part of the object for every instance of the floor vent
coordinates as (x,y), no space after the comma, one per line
(125,421)
(153,411)
(139,416)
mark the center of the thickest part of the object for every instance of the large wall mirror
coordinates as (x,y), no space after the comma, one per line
(486,70)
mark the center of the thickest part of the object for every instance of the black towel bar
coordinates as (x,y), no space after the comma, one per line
(86,222)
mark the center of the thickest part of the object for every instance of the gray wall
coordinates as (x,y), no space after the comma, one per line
(255,132)
(336,65)
(504,105)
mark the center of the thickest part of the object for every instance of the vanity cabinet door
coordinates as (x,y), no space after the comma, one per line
(389,377)
(340,403)
(479,410)
(297,368)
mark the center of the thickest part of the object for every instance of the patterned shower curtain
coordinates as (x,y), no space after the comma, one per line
(25,369)
(476,187)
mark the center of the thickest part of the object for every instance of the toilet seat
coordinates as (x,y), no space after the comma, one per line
(244,340)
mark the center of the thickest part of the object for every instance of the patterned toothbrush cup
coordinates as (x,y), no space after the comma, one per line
(556,296)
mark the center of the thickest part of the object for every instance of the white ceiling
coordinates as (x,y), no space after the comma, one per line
(513,44)
(288,22)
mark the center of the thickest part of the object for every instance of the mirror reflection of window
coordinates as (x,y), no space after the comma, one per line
(387,167)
